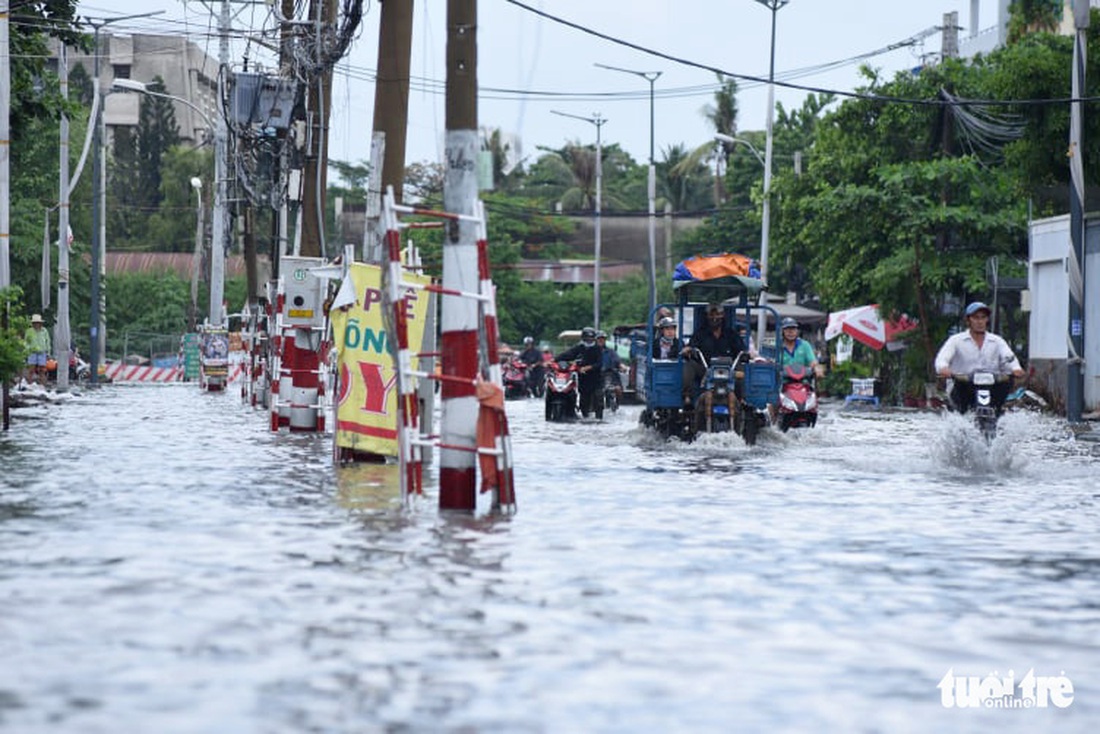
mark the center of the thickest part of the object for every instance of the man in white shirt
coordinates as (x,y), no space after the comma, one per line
(977,350)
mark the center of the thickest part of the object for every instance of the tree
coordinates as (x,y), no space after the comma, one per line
(157,132)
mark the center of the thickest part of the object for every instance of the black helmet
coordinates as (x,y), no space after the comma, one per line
(789,323)
(666,321)
(588,333)
(601,334)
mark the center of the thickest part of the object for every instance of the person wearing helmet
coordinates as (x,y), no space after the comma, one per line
(667,345)
(976,349)
(713,339)
(532,357)
(610,365)
(795,350)
(587,357)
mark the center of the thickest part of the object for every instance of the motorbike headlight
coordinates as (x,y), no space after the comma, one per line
(786,402)
(984,378)
(811,402)
(722,374)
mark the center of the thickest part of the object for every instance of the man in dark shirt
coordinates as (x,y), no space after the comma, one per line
(712,339)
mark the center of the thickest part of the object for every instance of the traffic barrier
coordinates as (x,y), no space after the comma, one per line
(118,372)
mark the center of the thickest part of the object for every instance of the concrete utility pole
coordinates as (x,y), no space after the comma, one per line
(765,226)
(97,322)
(459,316)
(219,237)
(62,334)
(598,121)
(5,184)
(5,155)
(391,113)
(315,170)
(949,39)
(1075,377)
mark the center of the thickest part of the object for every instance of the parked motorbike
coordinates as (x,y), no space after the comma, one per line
(515,379)
(562,389)
(797,398)
(983,393)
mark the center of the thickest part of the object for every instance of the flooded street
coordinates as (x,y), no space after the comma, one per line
(169,565)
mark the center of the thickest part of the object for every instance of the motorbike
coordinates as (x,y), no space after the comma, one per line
(713,405)
(562,390)
(986,392)
(797,398)
(515,379)
(610,391)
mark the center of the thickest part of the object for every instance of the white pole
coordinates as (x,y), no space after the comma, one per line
(599,224)
(218,242)
(5,147)
(62,335)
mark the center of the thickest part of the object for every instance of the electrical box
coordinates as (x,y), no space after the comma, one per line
(261,99)
(305,293)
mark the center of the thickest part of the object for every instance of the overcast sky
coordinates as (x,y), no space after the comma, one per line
(520,50)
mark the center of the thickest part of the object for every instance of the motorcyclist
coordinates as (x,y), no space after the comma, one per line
(795,350)
(610,364)
(587,356)
(977,349)
(532,357)
(712,339)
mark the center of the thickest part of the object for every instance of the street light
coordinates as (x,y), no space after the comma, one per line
(96,320)
(774,6)
(132,85)
(196,259)
(217,244)
(649,76)
(598,122)
(723,138)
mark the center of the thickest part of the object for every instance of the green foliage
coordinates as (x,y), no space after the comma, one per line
(13,351)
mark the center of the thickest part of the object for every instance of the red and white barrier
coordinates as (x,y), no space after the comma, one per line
(118,372)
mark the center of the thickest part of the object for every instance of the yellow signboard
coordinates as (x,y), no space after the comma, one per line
(366,401)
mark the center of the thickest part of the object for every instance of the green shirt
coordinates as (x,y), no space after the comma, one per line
(37,340)
(802,354)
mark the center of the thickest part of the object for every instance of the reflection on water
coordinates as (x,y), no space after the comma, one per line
(169,565)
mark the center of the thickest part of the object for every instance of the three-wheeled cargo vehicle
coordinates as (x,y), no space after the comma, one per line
(674,409)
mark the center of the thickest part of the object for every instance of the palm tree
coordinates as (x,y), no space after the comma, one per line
(722,116)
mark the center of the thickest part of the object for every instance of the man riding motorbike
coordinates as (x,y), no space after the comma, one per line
(977,350)
(532,357)
(610,365)
(712,339)
(587,355)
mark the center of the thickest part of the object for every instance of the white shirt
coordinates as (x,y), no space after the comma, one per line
(961,354)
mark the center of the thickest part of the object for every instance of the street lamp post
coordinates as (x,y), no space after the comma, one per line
(651,77)
(765,226)
(598,122)
(96,321)
(217,245)
(196,258)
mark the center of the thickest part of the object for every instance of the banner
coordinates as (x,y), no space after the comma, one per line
(366,400)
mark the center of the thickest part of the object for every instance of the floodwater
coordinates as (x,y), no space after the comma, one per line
(169,565)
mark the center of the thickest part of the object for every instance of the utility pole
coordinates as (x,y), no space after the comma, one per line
(1075,378)
(221,151)
(62,334)
(391,113)
(5,157)
(5,184)
(97,322)
(598,121)
(315,170)
(459,316)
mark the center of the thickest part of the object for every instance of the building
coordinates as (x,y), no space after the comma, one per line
(188,73)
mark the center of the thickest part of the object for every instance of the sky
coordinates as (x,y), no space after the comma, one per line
(521,50)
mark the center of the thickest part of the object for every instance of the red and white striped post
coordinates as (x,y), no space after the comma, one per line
(459,316)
